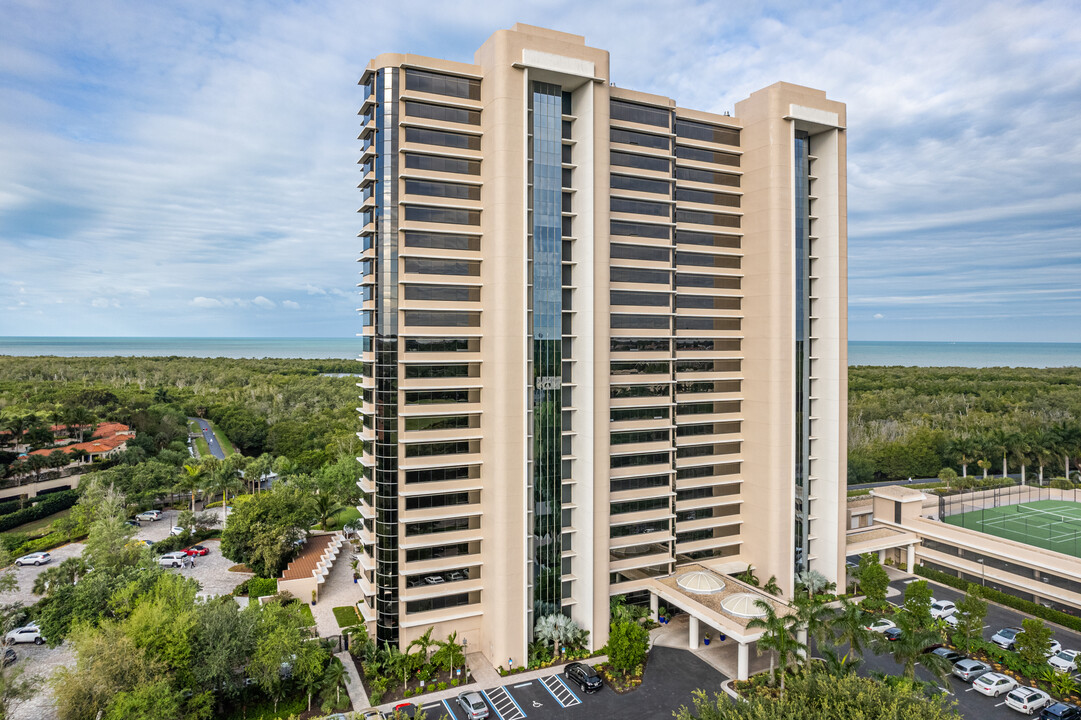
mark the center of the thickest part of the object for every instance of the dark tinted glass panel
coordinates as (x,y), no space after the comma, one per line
(634,414)
(629,229)
(568,175)
(430,397)
(443,370)
(632,391)
(442,138)
(434,553)
(437,344)
(703,260)
(706,197)
(621,461)
(450,216)
(641,207)
(425,502)
(441,241)
(439,266)
(707,366)
(622,508)
(707,176)
(688,237)
(699,344)
(641,322)
(640,252)
(639,345)
(707,281)
(437,84)
(437,526)
(711,156)
(706,323)
(707,302)
(623,367)
(566,154)
(435,188)
(639,528)
(460,447)
(436,475)
(450,293)
(641,162)
(626,297)
(437,603)
(622,484)
(438,318)
(416,161)
(633,112)
(707,218)
(660,142)
(647,185)
(709,133)
(639,436)
(632,275)
(449,422)
(567,129)
(442,112)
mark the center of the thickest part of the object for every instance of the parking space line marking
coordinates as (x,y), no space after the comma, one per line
(545,685)
(451,712)
(503,704)
(505,690)
(525,684)
(492,704)
(1001,704)
(578,700)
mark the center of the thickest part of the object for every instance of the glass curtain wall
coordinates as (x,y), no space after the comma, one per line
(801,164)
(546,341)
(386,360)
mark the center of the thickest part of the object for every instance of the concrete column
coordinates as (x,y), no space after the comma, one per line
(881,557)
(653,606)
(912,558)
(801,636)
(743,662)
(693,635)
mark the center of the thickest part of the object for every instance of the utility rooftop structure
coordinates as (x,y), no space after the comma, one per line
(604,337)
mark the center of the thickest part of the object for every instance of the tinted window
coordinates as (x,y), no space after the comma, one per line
(707,302)
(633,112)
(439,266)
(647,185)
(706,197)
(631,229)
(430,82)
(640,252)
(711,156)
(442,112)
(641,322)
(641,162)
(416,161)
(440,318)
(435,188)
(441,241)
(637,275)
(450,216)
(707,218)
(641,207)
(442,138)
(626,297)
(659,142)
(431,397)
(689,237)
(448,293)
(441,371)
(436,344)
(706,323)
(639,345)
(707,281)
(704,260)
(709,344)
(706,176)
(709,133)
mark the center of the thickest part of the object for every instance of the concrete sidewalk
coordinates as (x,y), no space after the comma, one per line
(353,685)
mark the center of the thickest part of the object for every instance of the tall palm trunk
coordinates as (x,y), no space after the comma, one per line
(1004,472)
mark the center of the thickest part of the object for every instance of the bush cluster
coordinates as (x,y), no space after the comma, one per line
(48,505)
(1025,606)
(256,587)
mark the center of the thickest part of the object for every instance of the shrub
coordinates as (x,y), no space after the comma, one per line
(441,686)
(258,587)
(48,505)
(627,645)
(454,682)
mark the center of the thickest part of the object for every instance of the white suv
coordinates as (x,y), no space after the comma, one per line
(38,558)
(151,515)
(1027,699)
(25,634)
(175,559)
(942,609)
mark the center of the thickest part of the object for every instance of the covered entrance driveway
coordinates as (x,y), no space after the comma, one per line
(715,604)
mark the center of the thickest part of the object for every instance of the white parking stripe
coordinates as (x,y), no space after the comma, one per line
(525,684)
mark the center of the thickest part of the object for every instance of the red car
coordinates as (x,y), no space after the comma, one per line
(198,550)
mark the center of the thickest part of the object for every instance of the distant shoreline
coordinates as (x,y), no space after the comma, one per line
(861,352)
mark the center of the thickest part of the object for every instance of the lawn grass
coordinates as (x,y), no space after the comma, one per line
(226,445)
(340,519)
(201,447)
(39,528)
(346,616)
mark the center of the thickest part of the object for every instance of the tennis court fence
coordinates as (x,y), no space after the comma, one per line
(974,500)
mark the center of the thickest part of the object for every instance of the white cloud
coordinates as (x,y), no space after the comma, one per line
(878,316)
(291,304)
(264,303)
(205,302)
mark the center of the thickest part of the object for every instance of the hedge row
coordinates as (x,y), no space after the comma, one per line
(53,503)
(1012,601)
(256,587)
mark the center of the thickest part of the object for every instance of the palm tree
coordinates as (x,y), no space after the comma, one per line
(449,652)
(424,643)
(848,627)
(985,466)
(80,418)
(191,481)
(908,649)
(779,636)
(224,478)
(813,615)
(1044,450)
(334,677)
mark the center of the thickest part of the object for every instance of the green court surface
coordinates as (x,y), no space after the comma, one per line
(1049,524)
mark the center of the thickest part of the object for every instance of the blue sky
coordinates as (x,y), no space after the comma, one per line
(189,168)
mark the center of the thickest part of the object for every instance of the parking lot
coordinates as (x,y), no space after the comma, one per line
(671,675)
(970,703)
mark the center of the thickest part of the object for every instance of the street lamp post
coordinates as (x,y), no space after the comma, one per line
(983,573)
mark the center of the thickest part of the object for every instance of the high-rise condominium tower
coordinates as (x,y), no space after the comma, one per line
(603,336)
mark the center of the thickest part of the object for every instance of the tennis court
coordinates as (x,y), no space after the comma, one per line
(1049,524)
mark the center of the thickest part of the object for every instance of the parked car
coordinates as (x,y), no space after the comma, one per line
(174,559)
(133,523)
(455,575)
(993,684)
(1056,647)
(949,653)
(472,705)
(1027,699)
(1004,638)
(151,515)
(1064,660)
(434,579)
(38,558)
(587,679)
(881,626)
(1061,711)
(177,530)
(893,634)
(951,620)
(406,710)
(25,634)
(198,550)
(368,714)
(969,670)
(9,656)
(942,608)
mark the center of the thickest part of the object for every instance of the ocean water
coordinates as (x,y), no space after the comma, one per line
(921,354)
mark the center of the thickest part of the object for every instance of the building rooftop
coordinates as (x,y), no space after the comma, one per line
(304,564)
(898,493)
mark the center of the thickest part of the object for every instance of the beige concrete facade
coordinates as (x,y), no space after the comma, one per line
(678,433)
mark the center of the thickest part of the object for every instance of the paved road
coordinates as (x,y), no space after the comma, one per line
(211,439)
